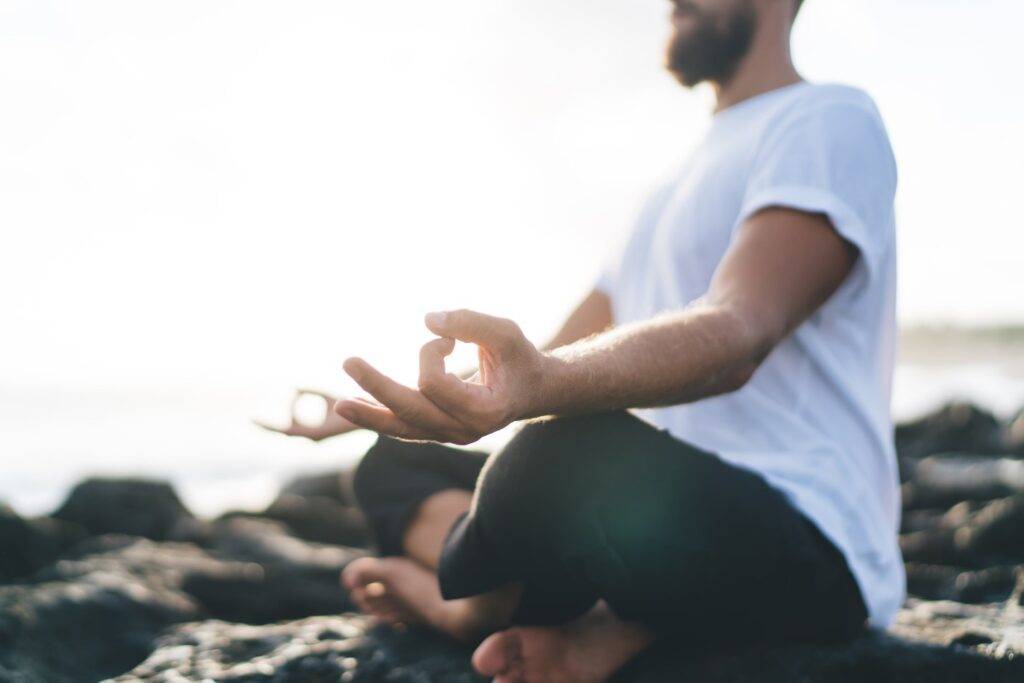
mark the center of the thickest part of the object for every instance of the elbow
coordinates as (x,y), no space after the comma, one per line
(739,376)
(758,346)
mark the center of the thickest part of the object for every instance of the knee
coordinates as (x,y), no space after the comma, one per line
(547,469)
(376,470)
(559,451)
(528,459)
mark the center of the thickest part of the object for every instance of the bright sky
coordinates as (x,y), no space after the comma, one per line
(246,192)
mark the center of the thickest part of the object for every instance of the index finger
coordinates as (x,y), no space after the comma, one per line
(452,394)
(407,404)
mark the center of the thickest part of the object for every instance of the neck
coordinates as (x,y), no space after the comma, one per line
(768,64)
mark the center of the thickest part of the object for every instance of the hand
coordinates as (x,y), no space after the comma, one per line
(332,424)
(444,407)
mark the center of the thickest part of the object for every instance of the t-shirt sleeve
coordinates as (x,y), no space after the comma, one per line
(834,159)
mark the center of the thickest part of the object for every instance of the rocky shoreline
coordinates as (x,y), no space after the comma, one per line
(122,582)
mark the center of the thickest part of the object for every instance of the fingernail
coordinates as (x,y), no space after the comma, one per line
(436,319)
(344,410)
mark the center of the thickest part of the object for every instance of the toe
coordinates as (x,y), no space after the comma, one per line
(496,654)
(361,572)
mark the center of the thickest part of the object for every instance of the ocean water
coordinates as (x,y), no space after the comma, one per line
(201,438)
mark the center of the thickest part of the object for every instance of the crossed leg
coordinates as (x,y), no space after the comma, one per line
(582,539)
(405,590)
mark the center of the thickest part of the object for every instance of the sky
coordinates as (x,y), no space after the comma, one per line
(251,191)
(206,203)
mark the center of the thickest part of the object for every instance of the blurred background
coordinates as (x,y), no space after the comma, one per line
(206,204)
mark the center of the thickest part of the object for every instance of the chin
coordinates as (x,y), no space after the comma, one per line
(683,22)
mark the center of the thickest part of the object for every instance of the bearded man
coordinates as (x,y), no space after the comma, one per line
(714,460)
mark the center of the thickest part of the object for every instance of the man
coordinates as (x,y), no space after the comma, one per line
(753,495)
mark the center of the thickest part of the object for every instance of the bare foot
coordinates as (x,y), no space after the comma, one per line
(402,592)
(589,650)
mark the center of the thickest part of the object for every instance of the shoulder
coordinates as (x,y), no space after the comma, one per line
(833,106)
(841,119)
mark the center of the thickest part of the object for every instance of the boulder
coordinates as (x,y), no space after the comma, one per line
(336,485)
(30,544)
(320,519)
(137,507)
(84,629)
(97,611)
(988,535)
(940,481)
(941,582)
(1014,434)
(957,427)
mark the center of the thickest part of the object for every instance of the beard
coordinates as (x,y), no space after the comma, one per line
(712,49)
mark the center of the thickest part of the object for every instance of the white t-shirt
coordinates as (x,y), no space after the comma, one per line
(814,420)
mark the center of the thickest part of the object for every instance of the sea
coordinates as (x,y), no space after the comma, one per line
(202,439)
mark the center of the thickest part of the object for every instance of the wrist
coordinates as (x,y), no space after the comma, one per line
(546,388)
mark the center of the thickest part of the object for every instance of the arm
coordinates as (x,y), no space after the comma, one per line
(593,315)
(781,267)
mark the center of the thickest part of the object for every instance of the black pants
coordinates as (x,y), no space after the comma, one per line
(608,507)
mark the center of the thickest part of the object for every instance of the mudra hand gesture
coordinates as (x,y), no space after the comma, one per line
(331,425)
(444,407)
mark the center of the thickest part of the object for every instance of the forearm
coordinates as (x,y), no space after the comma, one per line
(703,351)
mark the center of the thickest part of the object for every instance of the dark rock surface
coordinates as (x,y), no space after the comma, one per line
(933,642)
(315,518)
(956,428)
(123,579)
(27,545)
(124,506)
(319,508)
(341,648)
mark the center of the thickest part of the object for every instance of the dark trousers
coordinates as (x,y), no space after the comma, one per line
(608,507)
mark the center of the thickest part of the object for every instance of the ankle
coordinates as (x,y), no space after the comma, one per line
(472,619)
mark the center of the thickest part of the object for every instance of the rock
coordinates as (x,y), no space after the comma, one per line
(294,578)
(341,648)
(1014,434)
(95,612)
(933,642)
(990,535)
(336,485)
(255,596)
(265,542)
(224,587)
(941,622)
(319,508)
(941,481)
(957,427)
(939,582)
(920,520)
(315,518)
(136,507)
(995,533)
(30,544)
(86,629)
